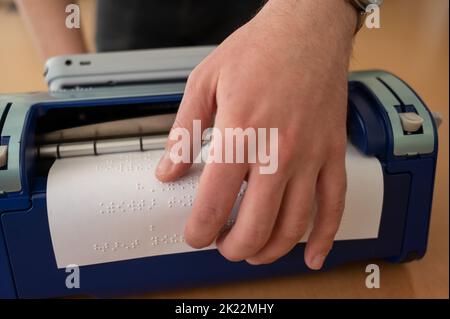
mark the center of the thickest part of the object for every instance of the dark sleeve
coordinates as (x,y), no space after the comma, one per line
(141,24)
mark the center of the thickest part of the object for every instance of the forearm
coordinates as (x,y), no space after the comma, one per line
(46,21)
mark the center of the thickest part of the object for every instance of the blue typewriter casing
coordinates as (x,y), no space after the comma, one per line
(27,262)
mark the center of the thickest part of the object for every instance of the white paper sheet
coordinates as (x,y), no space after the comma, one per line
(111,207)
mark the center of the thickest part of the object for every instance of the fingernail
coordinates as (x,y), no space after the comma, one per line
(165,165)
(317,261)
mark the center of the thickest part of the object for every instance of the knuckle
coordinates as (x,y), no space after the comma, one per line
(338,205)
(247,245)
(333,196)
(277,250)
(338,147)
(196,84)
(208,215)
(203,226)
(193,77)
(243,246)
(286,155)
(288,138)
(255,238)
(292,235)
(328,230)
(232,250)
(178,123)
(317,152)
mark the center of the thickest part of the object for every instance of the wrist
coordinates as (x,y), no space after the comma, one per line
(333,20)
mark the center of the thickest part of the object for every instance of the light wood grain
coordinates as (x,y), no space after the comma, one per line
(412,43)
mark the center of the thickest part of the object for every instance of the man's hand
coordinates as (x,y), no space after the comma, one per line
(286,68)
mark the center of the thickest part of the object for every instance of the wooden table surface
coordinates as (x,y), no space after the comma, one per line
(412,43)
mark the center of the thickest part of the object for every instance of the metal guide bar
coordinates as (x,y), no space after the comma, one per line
(99,147)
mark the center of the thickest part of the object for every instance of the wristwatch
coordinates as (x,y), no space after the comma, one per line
(361,6)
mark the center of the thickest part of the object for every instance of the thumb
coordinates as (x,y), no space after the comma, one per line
(198,104)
